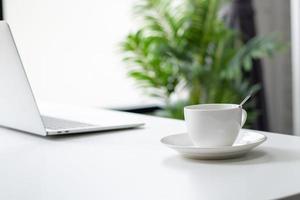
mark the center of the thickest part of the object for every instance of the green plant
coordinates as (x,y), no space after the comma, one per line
(185,54)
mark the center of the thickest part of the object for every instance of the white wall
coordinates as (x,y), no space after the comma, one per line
(70,49)
(295,34)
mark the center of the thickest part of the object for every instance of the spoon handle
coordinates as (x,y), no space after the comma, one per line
(245,100)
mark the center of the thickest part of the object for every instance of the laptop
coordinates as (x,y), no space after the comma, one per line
(18,108)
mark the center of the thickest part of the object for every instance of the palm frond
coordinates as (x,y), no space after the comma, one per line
(185,45)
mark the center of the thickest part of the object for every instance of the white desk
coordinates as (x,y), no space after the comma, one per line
(133,165)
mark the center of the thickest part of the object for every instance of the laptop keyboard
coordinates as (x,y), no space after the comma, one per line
(56,123)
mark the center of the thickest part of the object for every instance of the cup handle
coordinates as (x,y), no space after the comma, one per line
(244,117)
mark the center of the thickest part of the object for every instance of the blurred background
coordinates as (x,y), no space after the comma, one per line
(155,56)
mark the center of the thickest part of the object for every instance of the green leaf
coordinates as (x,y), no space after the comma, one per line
(183,52)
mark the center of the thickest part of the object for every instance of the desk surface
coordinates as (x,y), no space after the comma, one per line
(133,164)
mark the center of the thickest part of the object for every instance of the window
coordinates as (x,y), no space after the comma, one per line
(70,50)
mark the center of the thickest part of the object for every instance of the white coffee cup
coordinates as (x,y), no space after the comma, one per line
(213,125)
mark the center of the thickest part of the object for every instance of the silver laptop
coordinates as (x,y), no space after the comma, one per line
(18,109)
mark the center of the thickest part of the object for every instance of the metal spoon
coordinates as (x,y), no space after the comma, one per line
(246,99)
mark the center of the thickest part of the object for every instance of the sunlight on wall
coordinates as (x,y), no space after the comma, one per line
(70,50)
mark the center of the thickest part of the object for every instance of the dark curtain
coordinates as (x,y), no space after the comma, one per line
(1,10)
(242,18)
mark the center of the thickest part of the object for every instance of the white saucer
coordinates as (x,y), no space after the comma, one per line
(246,141)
